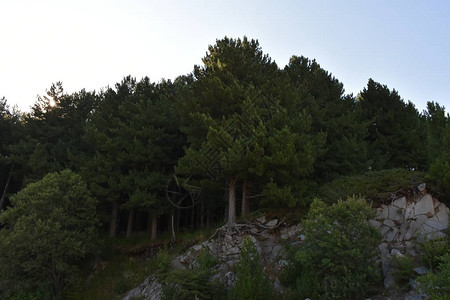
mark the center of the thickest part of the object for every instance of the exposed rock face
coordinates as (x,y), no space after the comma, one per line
(225,245)
(406,222)
(149,289)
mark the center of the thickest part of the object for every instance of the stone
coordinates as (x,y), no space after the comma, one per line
(420,219)
(421,270)
(383,247)
(375,223)
(400,203)
(421,187)
(261,220)
(426,229)
(424,206)
(389,222)
(384,229)
(302,237)
(434,223)
(397,253)
(395,213)
(391,234)
(434,235)
(272,223)
(409,212)
(389,281)
(149,289)
(384,213)
(442,214)
(403,229)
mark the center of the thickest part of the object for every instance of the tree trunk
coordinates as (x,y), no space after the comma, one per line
(113,223)
(130,224)
(232,203)
(245,201)
(172,225)
(202,213)
(2,200)
(154,227)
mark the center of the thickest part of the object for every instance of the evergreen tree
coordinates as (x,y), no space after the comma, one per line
(396,133)
(333,114)
(241,126)
(134,144)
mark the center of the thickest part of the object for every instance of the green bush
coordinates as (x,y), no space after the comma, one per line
(432,251)
(192,284)
(251,280)
(336,258)
(403,271)
(437,284)
(370,184)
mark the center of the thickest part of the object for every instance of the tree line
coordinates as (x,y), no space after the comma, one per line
(236,134)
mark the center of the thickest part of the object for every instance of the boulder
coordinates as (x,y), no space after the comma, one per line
(425,206)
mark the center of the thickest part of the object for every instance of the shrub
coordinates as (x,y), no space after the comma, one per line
(370,184)
(336,259)
(437,284)
(251,281)
(404,271)
(192,284)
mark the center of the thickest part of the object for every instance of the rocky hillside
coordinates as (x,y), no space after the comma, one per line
(404,222)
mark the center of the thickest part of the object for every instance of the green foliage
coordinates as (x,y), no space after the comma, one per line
(432,251)
(370,184)
(440,168)
(337,256)
(403,271)
(192,284)
(251,280)
(50,230)
(396,132)
(339,117)
(437,284)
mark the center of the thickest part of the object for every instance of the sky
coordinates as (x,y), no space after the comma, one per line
(404,44)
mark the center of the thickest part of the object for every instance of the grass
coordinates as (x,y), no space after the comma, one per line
(123,271)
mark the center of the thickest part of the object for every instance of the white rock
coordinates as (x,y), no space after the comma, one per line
(400,203)
(420,219)
(384,212)
(424,206)
(421,270)
(397,253)
(395,213)
(391,234)
(272,223)
(384,229)
(383,247)
(375,223)
(409,211)
(435,235)
(434,223)
(261,220)
(403,229)
(442,214)
(421,187)
(426,229)
(389,222)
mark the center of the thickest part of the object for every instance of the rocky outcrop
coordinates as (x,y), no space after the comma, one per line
(403,223)
(406,222)
(225,245)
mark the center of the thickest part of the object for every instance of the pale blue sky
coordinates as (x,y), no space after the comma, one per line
(92,44)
